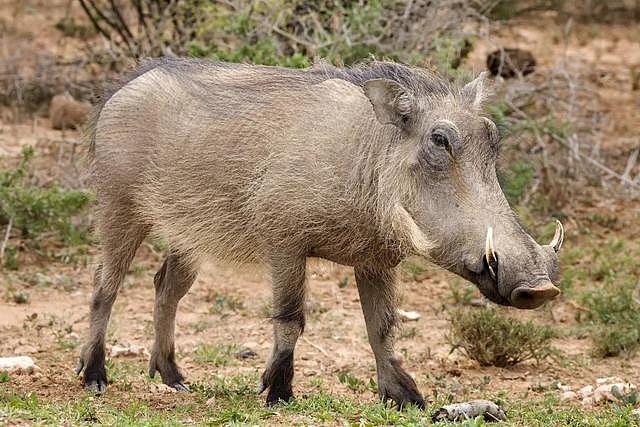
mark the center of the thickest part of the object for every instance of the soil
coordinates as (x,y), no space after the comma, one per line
(55,319)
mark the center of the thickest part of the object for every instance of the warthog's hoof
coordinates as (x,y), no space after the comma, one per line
(179,386)
(277,378)
(95,386)
(95,374)
(397,385)
(168,369)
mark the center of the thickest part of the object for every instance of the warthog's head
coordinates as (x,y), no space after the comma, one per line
(449,201)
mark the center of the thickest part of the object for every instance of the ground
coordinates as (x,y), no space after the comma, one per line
(226,313)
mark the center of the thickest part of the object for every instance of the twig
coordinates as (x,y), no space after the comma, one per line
(317,347)
(594,162)
(6,239)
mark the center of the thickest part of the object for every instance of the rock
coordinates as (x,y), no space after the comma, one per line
(408,315)
(585,391)
(18,364)
(67,113)
(568,395)
(470,410)
(509,62)
(163,388)
(564,387)
(25,349)
(128,351)
(611,392)
(608,380)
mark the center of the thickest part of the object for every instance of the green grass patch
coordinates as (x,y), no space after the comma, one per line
(216,355)
(497,340)
(605,278)
(233,401)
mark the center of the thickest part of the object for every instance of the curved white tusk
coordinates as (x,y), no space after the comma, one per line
(490,253)
(558,237)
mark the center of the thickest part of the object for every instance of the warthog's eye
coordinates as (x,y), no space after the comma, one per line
(440,140)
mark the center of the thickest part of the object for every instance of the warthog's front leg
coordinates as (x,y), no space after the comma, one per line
(378,298)
(172,282)
(288,323)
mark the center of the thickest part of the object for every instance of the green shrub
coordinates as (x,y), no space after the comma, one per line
(517,180)
(496,340)
(36,210)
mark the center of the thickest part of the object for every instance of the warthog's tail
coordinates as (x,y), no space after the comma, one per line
(89,130)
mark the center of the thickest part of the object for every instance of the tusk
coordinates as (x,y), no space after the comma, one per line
(558,237)
(490,253)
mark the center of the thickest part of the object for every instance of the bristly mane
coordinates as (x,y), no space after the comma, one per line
(416,80)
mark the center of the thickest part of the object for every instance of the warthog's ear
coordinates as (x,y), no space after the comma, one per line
(392,103)
(475,91)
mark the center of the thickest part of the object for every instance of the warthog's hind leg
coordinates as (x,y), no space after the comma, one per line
(378,299)
(172,282)
(119,243)
(288,323)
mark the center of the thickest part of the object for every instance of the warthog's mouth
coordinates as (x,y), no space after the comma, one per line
(527,297)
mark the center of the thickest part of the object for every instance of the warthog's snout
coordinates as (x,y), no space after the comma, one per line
(512,275)
(533,297)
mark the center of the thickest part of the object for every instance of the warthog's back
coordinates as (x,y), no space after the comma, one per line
(231,160)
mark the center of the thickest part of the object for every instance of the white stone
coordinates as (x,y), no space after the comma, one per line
(130,350)
(585,391)
(564,387)
(408,315)
(18,364)
(568,395)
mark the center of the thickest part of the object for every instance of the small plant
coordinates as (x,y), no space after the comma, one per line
(4,377)
(223,303)
(217,355)
(344,282)
(352,382)
(516,181)
(496,340)
(462,295)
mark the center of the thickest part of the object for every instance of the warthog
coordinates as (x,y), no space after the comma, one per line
(362,166)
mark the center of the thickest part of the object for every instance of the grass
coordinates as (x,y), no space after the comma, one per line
(216,355)
(605,278)
(493,339)
(232,400)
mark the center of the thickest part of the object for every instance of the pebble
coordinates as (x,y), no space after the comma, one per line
(585,391)
(131,350)
(18,364)
(163,388)
(408,315)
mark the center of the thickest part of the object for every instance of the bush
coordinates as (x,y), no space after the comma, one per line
(288,32)
(36,210)
(496,340)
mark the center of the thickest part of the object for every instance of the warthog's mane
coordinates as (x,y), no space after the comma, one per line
(419,81)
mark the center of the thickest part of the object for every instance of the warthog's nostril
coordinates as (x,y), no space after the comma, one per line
(526,297)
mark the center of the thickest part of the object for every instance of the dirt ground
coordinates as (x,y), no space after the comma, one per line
(229,305)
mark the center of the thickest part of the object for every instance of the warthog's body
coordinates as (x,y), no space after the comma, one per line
(265,164)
